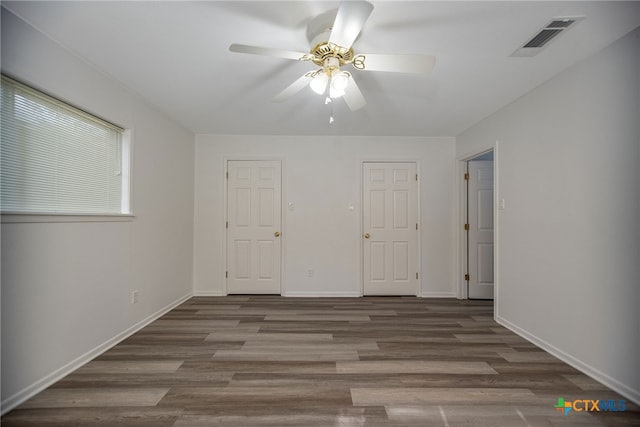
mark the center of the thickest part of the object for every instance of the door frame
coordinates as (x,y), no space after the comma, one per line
(361,163)
(473,217)
(461,242)
(283,237)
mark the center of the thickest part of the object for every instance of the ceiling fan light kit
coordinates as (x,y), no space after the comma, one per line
(331,36)
(330,76)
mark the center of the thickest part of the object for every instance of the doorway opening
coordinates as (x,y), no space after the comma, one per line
(478,217)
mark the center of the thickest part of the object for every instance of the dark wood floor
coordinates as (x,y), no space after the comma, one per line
(271,361)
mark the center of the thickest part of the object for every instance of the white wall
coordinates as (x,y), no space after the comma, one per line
(322,176)
(66,286)
(568,162)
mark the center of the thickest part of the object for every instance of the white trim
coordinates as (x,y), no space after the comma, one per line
(314,294)
(283,217)
(225,168)
(437,294)
(361,162)
(35,388)
(360,245)
(51,217)
(225,197)
(197,293)
(126,200)
(420,228)
(461,258)
(615,385)
(496,228)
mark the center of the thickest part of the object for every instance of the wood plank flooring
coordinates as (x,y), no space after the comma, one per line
(272,361)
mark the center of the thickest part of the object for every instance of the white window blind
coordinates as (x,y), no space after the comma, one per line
(58,159)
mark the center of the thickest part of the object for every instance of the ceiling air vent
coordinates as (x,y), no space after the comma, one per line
(553,29)
(542,38)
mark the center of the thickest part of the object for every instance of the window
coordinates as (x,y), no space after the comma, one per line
(58,159)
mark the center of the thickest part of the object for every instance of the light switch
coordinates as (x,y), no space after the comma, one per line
(501,204)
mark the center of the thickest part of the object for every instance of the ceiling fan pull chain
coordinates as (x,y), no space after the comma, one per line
(329,101)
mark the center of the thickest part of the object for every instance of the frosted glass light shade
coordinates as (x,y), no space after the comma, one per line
(319,83)
(339,82)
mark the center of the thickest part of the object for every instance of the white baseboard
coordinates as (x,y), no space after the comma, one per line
(305,294)
(315,294)
(358,295)
(432,294)
(35,388)
(197,293)
(612,383)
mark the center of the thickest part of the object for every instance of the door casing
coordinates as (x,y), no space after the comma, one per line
(479,188)
(362,163)
(225,207)
(461,259)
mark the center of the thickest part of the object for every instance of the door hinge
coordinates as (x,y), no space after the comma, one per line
(226,274)
(226,224)
(416,275)
(466,176)
(466,227)
(416,177)
(227,175)
(466,277)
(416,225)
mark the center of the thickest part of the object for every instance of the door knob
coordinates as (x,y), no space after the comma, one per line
(366,235)
(277,234)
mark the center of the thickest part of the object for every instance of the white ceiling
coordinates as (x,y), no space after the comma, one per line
(175,54)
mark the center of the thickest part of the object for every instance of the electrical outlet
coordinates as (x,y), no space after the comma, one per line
(310,272)
(134,297)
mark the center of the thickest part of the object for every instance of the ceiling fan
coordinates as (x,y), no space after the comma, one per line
(331,36)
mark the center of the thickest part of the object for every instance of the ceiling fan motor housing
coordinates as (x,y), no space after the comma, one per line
(318,34)
(325,50)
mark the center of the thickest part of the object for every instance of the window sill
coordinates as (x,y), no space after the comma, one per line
(34,217)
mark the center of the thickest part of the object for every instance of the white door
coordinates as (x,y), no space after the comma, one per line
(253,227)
(390,228)
(480,234)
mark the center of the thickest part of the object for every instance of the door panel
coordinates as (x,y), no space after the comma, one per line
(480,235)
(401,261)
(485,264)
(377,261)
(401,209)
(243,207)
(390,215)
(376,209)
(265,259)
(242,259)
(253,229)
(265,207)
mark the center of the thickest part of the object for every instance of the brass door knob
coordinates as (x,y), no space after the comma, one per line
(366,235)
(277,234)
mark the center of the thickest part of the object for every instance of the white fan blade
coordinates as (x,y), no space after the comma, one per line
(267,51)
(293,88)
(353,97)
(349,22)
(421,64)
